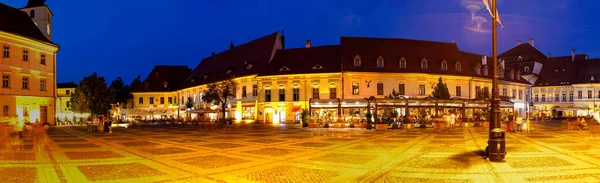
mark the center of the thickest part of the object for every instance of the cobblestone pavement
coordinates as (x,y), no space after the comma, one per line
(288,153)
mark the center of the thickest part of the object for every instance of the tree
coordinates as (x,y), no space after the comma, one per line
(394,95)
(440,90)
(220,93)
(122,91)
(92,95)
(189,103)
(137,81)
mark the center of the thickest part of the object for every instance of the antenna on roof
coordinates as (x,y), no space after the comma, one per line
(231,45)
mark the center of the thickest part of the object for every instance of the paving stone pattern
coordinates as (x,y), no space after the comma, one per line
(289,153)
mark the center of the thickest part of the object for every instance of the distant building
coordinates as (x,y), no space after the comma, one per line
(27,64)
(156,96)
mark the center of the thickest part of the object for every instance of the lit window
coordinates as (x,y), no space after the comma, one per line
(355,88)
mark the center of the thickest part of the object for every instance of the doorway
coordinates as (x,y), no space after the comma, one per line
(44,114)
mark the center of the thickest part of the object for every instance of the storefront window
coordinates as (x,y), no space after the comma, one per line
(248,113)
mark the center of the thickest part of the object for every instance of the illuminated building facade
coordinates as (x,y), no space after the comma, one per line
(156,96)
(27,64)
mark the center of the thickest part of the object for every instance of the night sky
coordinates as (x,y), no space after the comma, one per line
(127,38)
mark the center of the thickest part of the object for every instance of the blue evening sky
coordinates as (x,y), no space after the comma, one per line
(127,38)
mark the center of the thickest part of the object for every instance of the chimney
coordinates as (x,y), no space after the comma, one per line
(231,45)
(484,60)
(282,40)
(549,54)
(212,54)
(307,44)
(573,54)
(586,55)
(518,42)
(531,42)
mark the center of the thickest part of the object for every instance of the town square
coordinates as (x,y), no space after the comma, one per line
(282,91)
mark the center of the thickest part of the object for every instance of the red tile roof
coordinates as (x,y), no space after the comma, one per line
(18,22)
(258,53)
(173,75)
(304,60)
(588,69)
(475,59)
(560,70)
(522,50)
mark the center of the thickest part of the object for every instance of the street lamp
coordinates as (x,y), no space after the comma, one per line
(496,149)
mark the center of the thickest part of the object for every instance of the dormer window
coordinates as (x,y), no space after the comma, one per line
(457,66)
(444,65)
(485,70)
(357,61)
(402,63)
(520,58)
(284,68)
(592,78)
(518,75)
(424,63)
(526,69)
(512,74)
(380,62)
(478,69)
(165,84)
(500,72)
(318,66)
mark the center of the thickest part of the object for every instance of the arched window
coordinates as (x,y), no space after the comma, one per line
(424,63)
(485,70)
(32,13)
(402,63)
(457,66)
(520,58)
(526,69)
(380,62)
(478,69)
(444,65)
(512,74)
(356,61)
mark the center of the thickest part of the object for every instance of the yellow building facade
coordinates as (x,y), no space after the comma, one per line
(28,69)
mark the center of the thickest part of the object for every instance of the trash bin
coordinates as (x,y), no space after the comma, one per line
(497,145)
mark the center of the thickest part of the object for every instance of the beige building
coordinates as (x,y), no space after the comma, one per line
(27,64)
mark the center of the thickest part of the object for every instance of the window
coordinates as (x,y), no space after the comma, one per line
(526,69)
(579,94)
(514,93)
(141,100)
(504,92)
(477,91)
(318,66)
(268,95)
(315,93)
(485,70)
(68,92)
(589,94)
(543,98)
(48,29)
(487,90)
(357,61)
(421,89)
(170,100)
(162,100)
(478,69)
(401,89)
(457,67)
(43,59)
(520,58)
(402,63)
(379,88)
(243,91)
(25,82)
(571,97)
(536,98)
(380,62)
(5,81)
(68,104)
(332,93)
(25,55)
(5,110)
(42,85)
(355,88)
(424,64)
(282,94)
(296,92)
(175,100)
(6,52)
(458,91)
(151,100)
(444,65)
(564,97)
(255,90)
(520,94)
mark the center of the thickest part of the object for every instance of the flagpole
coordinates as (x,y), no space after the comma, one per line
(496,143)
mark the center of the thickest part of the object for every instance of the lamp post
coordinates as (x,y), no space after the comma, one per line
(496,141)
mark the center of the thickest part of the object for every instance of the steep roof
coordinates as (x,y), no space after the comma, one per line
(66,85)
(560,70)
(522,49)
(319,59)
(18,22)
(588,69)
(475,59)
(257,53)
(172,75)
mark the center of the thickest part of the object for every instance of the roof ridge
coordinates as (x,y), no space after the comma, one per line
(405,39)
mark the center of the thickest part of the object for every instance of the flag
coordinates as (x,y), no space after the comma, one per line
(487,6)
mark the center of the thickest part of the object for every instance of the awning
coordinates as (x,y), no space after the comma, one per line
(296,109)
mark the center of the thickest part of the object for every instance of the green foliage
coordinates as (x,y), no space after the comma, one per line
(304,115)
(189,103)
(369,117)
(440,91)
(394,95)
(122,91)
(220,93)
(92,95)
